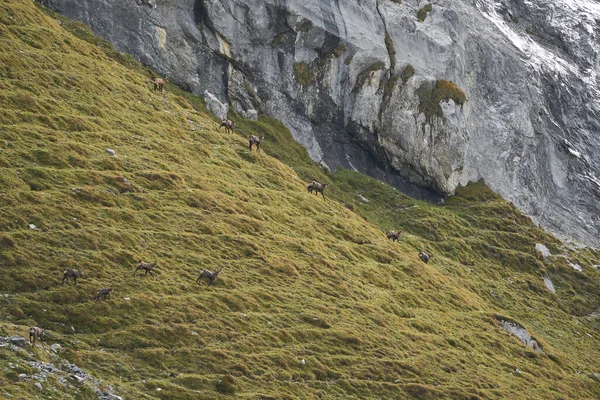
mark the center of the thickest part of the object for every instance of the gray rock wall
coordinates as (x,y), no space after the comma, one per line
(337,74)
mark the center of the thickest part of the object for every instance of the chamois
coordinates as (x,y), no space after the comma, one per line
(393,235)
(71,273)
(210,275)
(424,257)
(36,333)
(145,266)
(104,293)
(228,124)
(317,187)
(159,84)
(255,140)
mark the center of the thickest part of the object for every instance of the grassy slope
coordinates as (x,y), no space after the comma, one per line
(303,279)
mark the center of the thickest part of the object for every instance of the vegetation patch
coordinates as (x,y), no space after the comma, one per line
(389,45)
(304,74)
(339,50)
(422,13)
(304,26)
(407,73)
(442,91)
(366,74)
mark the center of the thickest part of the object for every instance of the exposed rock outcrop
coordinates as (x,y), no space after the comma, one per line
(506,90)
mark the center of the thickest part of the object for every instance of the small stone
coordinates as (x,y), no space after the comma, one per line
(576,267)
(18,340)
(158,389)
(543,250)
(38,385)
(73,329)
(194,333)
(55,347)
(302,361)
(7,395)
(32,226)
(111,152)
(517,371)
(126,298)
(244,315)
(22,376)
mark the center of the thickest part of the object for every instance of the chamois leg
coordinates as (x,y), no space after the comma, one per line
(136,270)
(151,274)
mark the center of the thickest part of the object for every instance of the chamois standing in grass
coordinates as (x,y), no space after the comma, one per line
(228,124)
(424,257)
(104,293)
(146,267)
(71,273)
(210,275)
(159,84)
(317,187)
(36,333)
(393,235)
(256,141)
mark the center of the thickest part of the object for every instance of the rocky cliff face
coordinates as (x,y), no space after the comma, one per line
(423,95)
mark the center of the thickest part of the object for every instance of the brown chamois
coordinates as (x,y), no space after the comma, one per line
(210,275)
(393,235)
(317,187)
(228,124)
(159,84)
(255,140)
(424,257)
(36,333)
(104,293)
(145,266)
(71,273)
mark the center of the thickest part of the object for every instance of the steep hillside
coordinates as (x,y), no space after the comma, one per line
(312,302)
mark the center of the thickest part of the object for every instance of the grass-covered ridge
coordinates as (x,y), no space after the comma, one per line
(313,301)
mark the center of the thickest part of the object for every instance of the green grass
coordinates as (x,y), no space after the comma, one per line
(303,279)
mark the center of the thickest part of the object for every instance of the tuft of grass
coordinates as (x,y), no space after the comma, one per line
(304,26)
(442,91)
(389,45)
(407,73)
(303,74)
(339,50)
(423,11)
(364,75)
